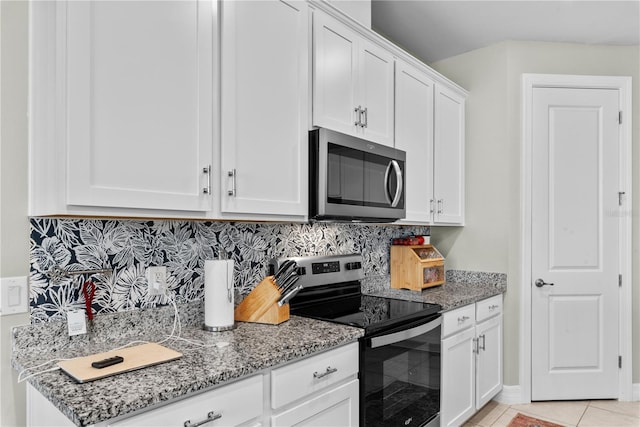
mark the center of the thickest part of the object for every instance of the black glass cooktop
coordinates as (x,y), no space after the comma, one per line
(366,311)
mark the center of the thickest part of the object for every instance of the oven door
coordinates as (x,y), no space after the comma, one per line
(400,375)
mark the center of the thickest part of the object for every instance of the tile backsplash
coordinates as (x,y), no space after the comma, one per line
(130,246)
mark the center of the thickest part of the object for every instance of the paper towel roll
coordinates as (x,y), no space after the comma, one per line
(218,295)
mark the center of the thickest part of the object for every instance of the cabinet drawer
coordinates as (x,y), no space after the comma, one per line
(301,378)
(458,319)
(488,308)
(237,402)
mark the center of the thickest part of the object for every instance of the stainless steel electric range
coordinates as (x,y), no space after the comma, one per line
(400,351)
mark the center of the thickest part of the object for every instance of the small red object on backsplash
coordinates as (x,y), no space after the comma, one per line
(408,241)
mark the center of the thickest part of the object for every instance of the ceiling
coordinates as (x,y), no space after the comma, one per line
(436,29)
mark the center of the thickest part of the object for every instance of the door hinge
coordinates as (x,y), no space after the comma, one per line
(620,362)
(620,280)
(619,117)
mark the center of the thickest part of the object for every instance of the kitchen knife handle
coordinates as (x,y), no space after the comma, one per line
(211,416)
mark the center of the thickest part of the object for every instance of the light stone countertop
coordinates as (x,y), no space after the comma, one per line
(251,348)
(461,288)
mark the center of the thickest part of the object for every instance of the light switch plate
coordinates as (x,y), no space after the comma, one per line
(13,295)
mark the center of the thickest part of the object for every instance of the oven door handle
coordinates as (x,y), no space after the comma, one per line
(399,336)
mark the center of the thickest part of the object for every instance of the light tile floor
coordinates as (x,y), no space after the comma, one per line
(586,413)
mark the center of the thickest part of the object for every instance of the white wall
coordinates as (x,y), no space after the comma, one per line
(14,224)
(492,75)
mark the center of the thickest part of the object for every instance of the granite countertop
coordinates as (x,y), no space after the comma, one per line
(219,357)
(461,288)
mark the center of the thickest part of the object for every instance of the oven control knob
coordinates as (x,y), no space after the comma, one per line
(353,265)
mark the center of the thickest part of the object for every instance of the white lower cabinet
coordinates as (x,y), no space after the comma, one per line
(239,403)
(321,390)
(471,359)
(336,407)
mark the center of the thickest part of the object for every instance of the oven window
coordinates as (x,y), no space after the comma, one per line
(401,381)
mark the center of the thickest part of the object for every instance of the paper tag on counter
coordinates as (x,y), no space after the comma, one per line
(76,322)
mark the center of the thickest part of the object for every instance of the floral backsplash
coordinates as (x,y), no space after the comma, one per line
(128,247)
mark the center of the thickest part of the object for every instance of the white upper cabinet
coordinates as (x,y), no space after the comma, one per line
(449,156)
(265,104)
(352,82)
(130,103)
(414,134)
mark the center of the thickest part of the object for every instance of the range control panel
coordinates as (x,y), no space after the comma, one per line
(324,269)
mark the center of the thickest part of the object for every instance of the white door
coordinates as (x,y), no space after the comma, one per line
(448,167)
(335,64)
(375,93)
(139,103)
(414,134)
(264,107)
(489,360)
(458,378)
(574,249)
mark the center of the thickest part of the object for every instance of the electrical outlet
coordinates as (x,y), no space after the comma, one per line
(157,280)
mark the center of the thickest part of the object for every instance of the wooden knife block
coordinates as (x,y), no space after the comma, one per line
(261,305)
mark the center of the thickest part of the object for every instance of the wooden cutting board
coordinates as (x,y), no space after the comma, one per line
(136,357)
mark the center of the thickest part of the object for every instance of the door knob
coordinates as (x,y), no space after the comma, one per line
(540,283)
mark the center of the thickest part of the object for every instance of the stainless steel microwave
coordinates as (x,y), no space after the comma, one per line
(351,179)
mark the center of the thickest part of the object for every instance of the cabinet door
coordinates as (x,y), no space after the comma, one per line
(236,403)
(449,156)
(336,407)
(414,134)
(458,378)
(139,103)
(335,62)
(489,360)
(375,93)
(264,107)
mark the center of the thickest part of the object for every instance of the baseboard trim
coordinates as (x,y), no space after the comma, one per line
(510,395)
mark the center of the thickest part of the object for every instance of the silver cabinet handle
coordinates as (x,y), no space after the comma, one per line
(431,208)
(232,175)
(211,416)
(462,319)
(483,343)
(365,114)
(540,283)
(474,347)
(329,371)
(358,111)
(493,307)
(440,205)
(207,171)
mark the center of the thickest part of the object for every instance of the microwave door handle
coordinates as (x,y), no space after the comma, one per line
(386,183)
(406,334)
(398,195)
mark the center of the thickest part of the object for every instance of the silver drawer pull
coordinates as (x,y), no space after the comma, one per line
(463,319)
(329,370)
(493,307)
(211,416)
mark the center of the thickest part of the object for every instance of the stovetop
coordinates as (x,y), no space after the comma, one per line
(372,313)
(331,292)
